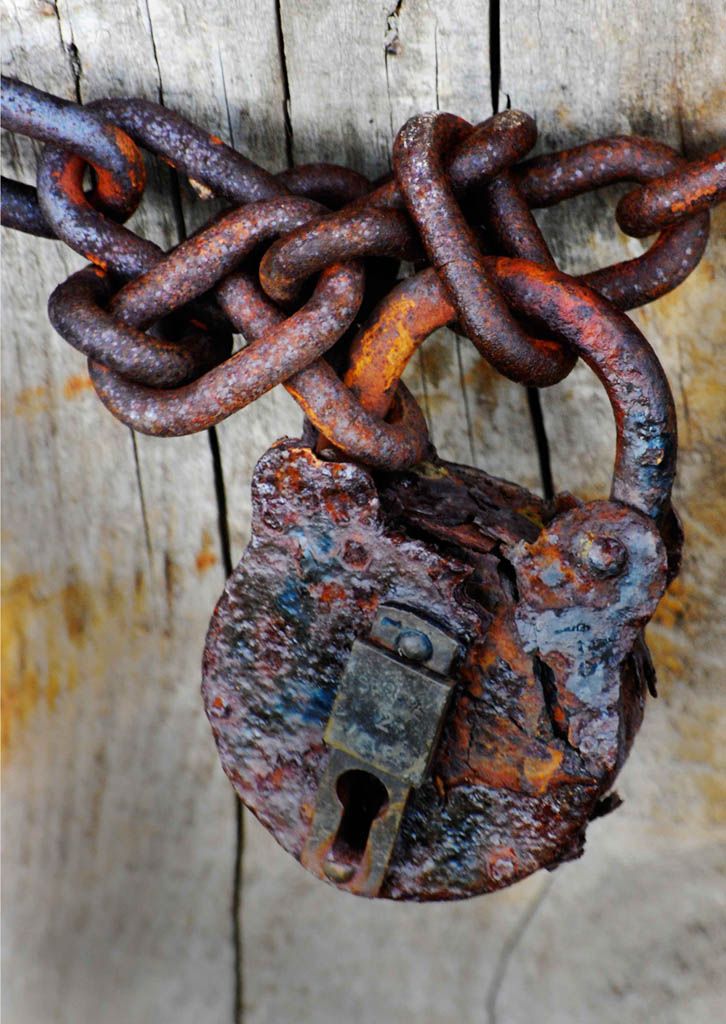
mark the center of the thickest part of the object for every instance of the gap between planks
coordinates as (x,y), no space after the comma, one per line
(76,68)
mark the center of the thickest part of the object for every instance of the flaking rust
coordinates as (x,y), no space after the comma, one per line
(549,601)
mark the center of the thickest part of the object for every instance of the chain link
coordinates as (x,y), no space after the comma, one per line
(299,263)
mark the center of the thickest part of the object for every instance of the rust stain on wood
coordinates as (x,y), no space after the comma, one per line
(51,640)
(32,401)
(27,615)
(76,384)
(39,398)
(206,556)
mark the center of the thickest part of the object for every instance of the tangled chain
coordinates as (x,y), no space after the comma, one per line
(305,257)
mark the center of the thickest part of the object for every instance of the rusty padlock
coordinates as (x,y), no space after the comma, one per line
(424,683)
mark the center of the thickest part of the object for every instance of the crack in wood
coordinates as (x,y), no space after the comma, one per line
(495,64)
(533,396)
(230,127)
(224,546)
(71,51)
(142,499)
(534,402)
(238,1006)
(510,947)
(221,499)
(391,47)
(286,109)
(155,52)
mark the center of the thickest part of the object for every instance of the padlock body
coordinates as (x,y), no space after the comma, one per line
(536,725)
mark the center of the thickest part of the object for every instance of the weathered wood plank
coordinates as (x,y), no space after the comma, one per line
(438,59)
(399,60)
(232,83)
(119,830)
(234,87)
(653,69)
(340,958)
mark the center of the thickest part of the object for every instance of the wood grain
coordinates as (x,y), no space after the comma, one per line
(653,69)
(119,830)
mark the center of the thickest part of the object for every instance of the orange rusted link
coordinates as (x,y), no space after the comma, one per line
(548,180)
(452,249)
(246,375)
(332,409)
(604,337)
(80,225)
(410,312)
(118,165)
(396,443)
(683,192)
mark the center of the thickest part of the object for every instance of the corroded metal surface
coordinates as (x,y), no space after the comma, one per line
(606,339)
(247,374)
(697,186)
(78,309)
(20,209)
(120,175)
(453,251)
(550,179)
(534,738)
(390,706)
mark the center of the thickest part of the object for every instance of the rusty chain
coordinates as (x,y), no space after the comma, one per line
(305,262)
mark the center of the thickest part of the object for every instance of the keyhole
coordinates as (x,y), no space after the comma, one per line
(363,797)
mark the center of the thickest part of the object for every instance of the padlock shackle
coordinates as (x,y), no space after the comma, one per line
(606,339)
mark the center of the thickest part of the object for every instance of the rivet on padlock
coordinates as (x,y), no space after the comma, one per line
(382,731)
